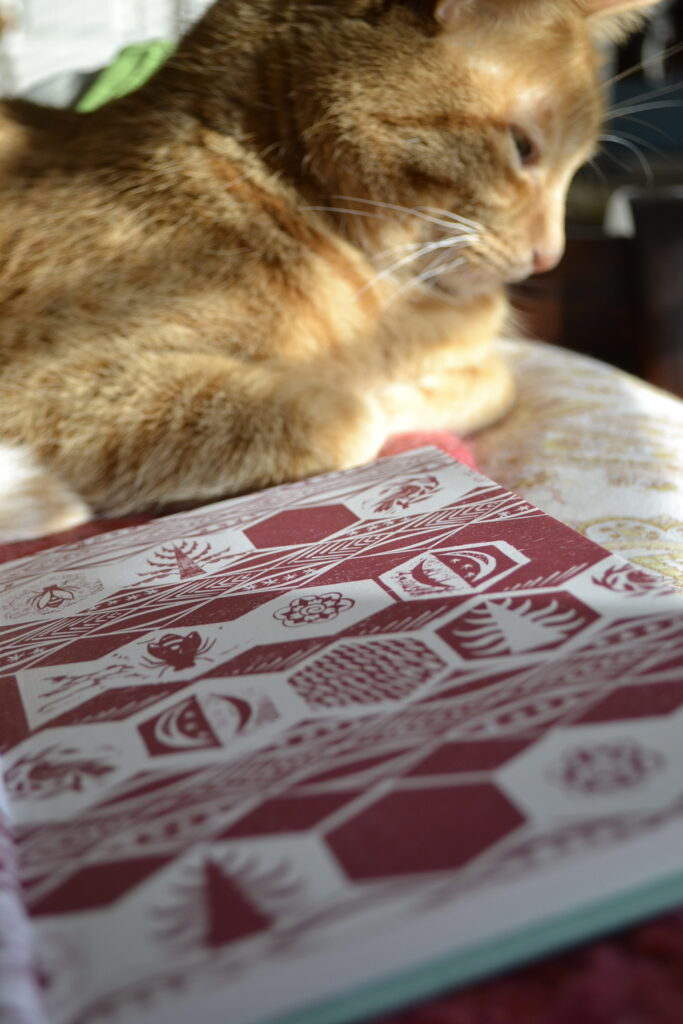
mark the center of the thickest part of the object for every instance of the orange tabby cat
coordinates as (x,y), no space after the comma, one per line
(291,243)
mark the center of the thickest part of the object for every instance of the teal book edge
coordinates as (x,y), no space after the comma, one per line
(430,980)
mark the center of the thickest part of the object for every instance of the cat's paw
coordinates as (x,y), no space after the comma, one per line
(362,434)
(341,429)
(464,400)
(34,502)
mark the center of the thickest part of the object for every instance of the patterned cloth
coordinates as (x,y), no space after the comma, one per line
(597,449)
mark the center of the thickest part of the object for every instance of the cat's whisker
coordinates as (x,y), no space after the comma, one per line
(439,268)
(354,213)
(424,249)
(455,217)
(597,169)
(636,139)
(662,55)
(429,247)
(646,97)
(398,209)
(385,216)
(649,126)
(491,245)
(406,247)
(628,144)
(420,253)
(418,248)
(382,274)
(620,163)
(446,268)
(411,258)
(414,283)
(446,242)
(643,108)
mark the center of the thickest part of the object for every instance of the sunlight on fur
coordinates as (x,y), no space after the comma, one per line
(33,501)
(292,243)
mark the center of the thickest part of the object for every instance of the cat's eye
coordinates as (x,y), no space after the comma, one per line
(527,150)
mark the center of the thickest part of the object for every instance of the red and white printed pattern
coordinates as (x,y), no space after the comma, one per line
(261,730)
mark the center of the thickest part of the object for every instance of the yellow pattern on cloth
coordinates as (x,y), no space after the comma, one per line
(597,449)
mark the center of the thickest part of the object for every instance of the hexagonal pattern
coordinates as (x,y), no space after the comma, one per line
(94,887)
(588,771)
(627,702)
(474,756)
(367,673)
(291,527)
(413,831)
(289,814)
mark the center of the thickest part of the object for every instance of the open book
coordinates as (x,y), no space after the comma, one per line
(314,753)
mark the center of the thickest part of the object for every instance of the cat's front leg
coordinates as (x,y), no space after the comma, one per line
(464,399)
(166,428)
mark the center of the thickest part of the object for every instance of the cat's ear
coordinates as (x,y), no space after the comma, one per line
(449,12)
(609,16)
(614,20)
(606,8)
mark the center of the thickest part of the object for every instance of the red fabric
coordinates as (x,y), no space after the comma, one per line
(634,978)
(442,439)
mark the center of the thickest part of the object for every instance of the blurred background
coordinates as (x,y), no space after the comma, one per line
(618,294)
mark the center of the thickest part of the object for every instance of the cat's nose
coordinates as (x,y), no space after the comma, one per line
(546,259)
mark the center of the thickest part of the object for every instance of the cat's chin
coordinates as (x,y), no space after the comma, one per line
(470,281)
(468,285)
